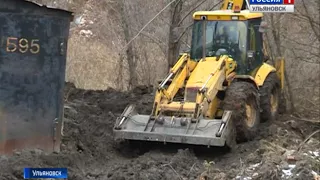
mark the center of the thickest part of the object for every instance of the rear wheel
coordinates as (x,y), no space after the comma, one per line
(242,98)
(270,97)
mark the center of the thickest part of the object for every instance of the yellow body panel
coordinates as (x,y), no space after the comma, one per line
(212,109)
(226,15)
(200,74)
(177,106)
(230,66)
(262,73)
(209,76)
(191,65)
(214,85)
(247,78)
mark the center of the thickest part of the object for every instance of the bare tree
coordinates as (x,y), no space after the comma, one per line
(174,43)
(275,33)
(295,36)
(130,55)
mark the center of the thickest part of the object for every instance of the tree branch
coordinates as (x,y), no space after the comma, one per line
(315,30)
(190,25)
(302,58)
(186,15)
(147,25)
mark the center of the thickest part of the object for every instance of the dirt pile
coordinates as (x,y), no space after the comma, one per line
(89,151)
(87,142)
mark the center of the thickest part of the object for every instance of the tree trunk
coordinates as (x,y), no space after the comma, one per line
(174,44)
(119,78)
(133,80)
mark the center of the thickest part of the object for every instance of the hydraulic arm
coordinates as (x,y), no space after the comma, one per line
(205,79)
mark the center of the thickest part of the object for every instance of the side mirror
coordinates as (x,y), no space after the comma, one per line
(263,27)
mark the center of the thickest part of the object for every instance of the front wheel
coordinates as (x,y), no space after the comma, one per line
(242,99)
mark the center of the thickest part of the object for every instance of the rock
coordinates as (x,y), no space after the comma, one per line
(293,124)
(288,153)
(17,153)
(221,176)
(291,158)
(233,165)
(285,165)
(86,33)
(3,158)
(273,129)
(36,151)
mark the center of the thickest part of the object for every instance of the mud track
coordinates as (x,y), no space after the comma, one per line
(89,151)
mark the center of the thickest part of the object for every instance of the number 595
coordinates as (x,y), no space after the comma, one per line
(23,45)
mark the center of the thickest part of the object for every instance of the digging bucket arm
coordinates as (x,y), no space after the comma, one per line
(280,65)
(232,4)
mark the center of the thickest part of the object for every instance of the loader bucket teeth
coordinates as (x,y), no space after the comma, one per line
(168,129)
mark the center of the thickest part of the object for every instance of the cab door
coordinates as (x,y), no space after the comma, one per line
(255,45)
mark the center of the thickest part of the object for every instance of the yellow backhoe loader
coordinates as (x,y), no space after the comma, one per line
(219,92)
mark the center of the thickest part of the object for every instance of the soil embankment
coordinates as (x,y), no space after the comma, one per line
(89,151)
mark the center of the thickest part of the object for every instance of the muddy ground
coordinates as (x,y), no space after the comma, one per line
(89,151)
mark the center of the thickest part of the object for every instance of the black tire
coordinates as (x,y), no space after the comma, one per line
(270,97)
(239,96)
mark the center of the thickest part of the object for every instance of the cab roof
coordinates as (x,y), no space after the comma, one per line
(244,14)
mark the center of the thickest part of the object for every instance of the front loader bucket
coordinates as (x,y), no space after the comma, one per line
(208,132)
(33,49)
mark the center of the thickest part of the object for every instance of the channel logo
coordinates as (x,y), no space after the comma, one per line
(263,6)
(45,173)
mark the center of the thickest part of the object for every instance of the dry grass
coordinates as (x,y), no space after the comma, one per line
(94,62)
(90,64)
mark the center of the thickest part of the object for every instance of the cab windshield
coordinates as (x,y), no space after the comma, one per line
(222,37)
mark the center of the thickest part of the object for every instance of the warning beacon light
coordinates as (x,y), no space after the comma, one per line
(236,9)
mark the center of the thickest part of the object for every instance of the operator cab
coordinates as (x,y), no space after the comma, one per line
(228,33)
(221,36)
